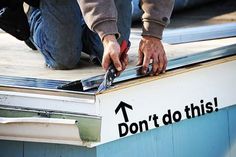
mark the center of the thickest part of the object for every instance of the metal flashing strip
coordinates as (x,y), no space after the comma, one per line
(134,73)
(35,112)
(184,61)
(202,57)
(46,103)
(50,86)
(194,34)
(185,35)
(41,86)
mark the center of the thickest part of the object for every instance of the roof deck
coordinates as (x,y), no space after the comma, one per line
(16,59)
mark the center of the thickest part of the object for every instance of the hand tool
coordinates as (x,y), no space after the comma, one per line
(91,84)
(111,73)
(95,82)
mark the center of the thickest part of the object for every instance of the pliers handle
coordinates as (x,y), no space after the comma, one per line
(111,73)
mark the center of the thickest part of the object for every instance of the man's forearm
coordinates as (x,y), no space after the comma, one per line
(100,16)
(156,16)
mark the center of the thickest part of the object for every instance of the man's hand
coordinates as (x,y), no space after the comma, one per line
(151,49)
(112,54)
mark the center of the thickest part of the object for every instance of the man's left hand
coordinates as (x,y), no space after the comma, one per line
(152,50)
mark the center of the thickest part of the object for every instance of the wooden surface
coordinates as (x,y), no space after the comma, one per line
(16,59)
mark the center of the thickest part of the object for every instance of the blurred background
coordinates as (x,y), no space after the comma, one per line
(189,13)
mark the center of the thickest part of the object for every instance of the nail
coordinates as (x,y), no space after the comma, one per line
(119,68)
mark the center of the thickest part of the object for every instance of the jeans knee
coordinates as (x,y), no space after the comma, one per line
(65,60)
(62,57)
(66,64)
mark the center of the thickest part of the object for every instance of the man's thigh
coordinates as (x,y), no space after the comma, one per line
(61,32)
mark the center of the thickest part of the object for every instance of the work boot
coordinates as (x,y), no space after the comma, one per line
(30,44)
(13,19)
(10,3)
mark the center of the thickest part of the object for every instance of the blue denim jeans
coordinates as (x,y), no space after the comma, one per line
(60,33)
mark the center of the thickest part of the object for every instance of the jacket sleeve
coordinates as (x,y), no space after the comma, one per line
(156,16)
(100,16)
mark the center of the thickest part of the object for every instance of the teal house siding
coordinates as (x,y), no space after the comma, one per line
(11,149)
(206,136)
(151,143)
(232,130)
(56,150)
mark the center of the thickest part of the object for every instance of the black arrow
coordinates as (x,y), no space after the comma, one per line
(122,106)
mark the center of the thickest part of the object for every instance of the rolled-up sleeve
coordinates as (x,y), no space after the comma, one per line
(100,16)
(156,16)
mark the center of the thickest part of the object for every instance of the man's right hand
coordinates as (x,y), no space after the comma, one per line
(112,54)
